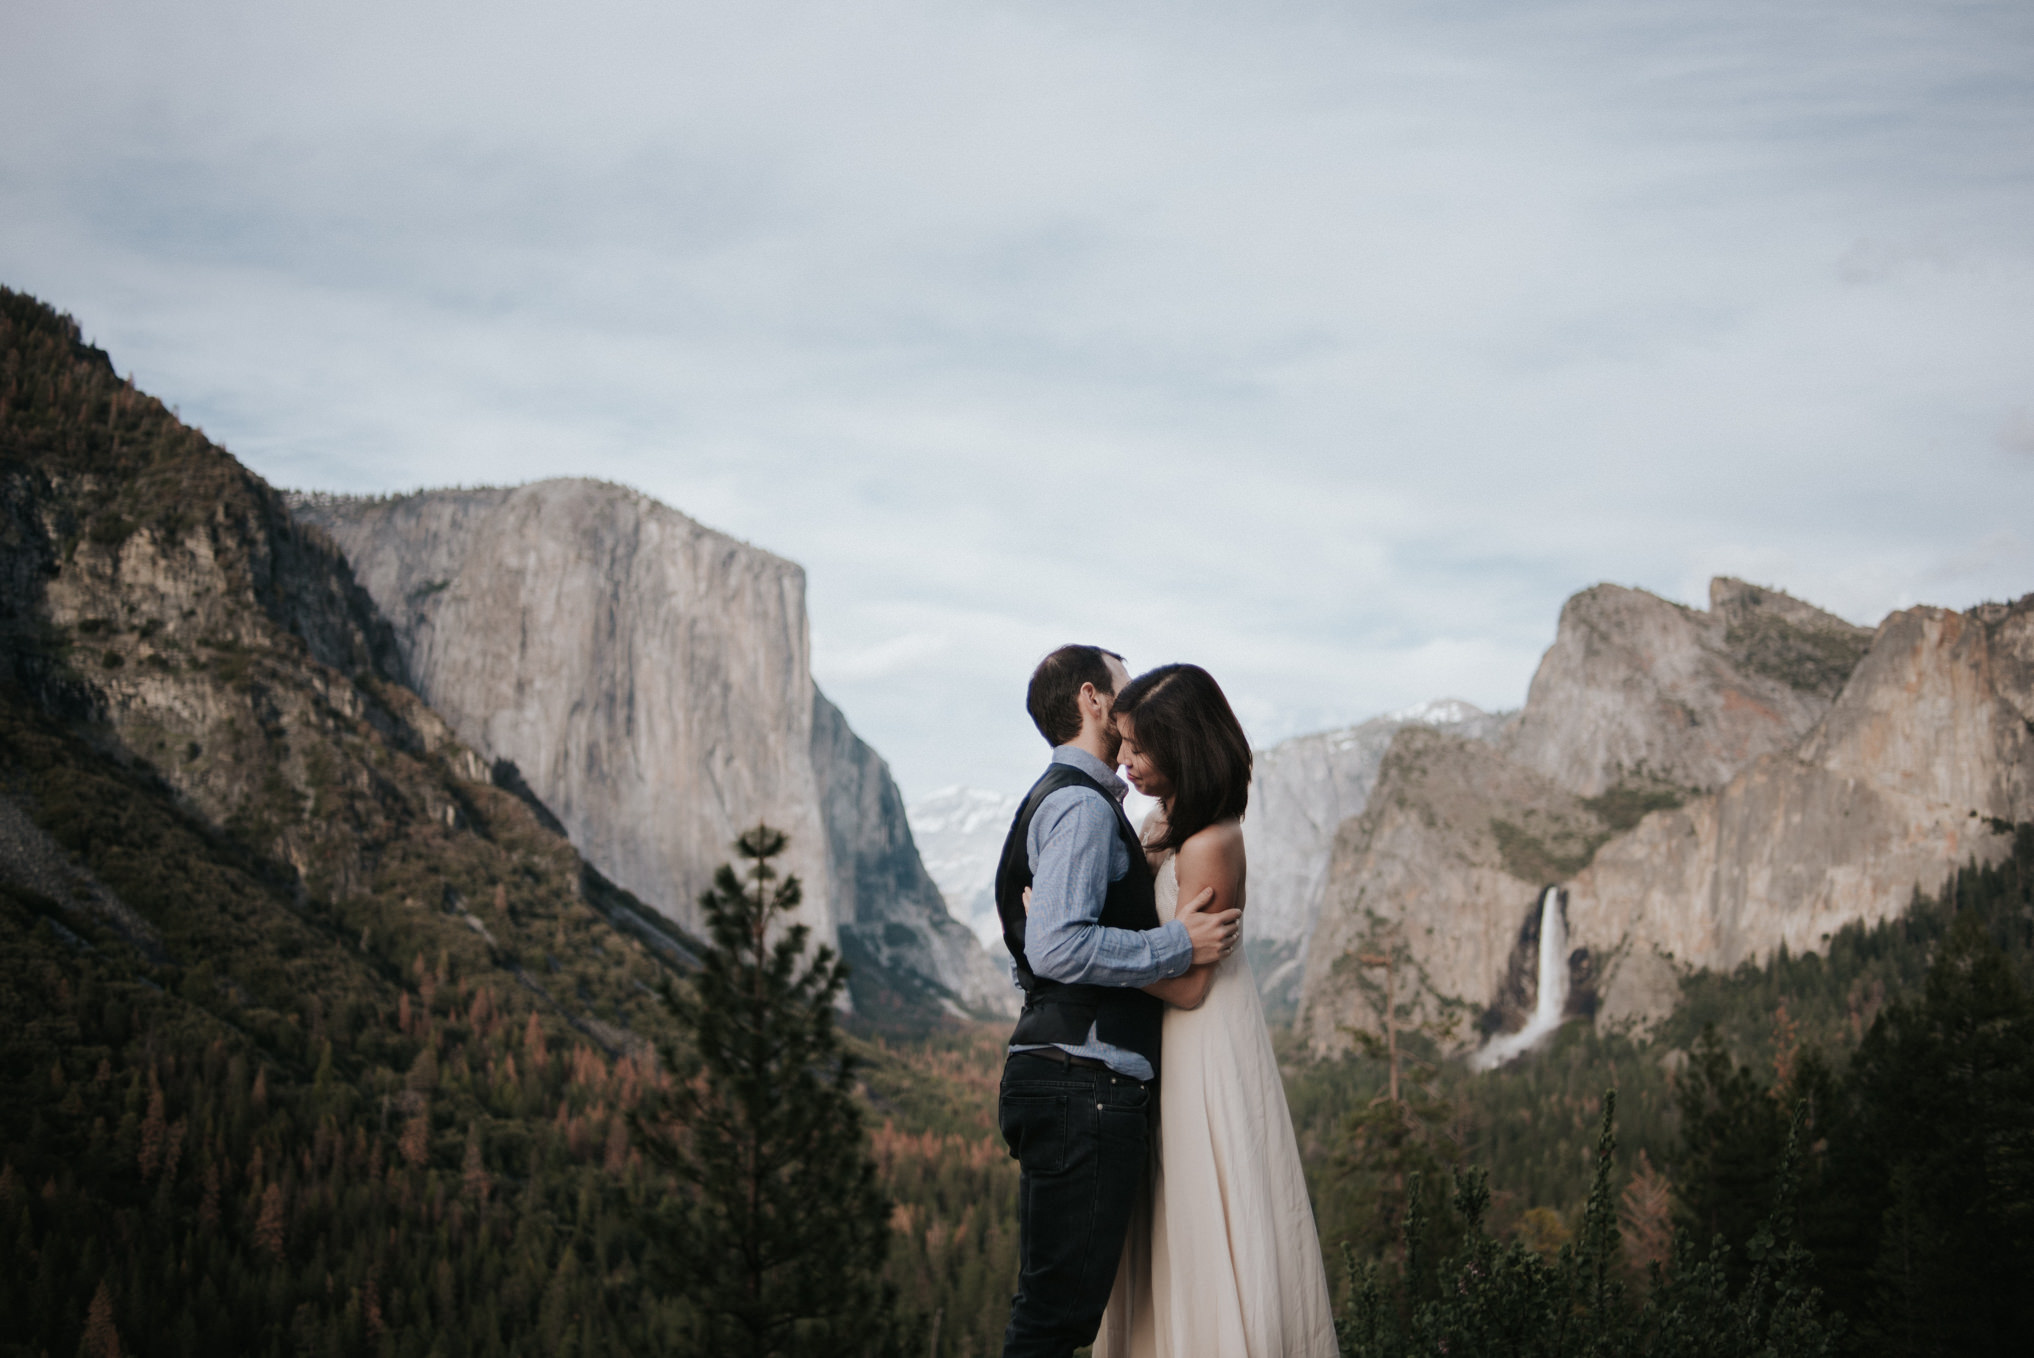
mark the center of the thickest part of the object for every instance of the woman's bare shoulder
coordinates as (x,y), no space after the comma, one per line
(1213,848)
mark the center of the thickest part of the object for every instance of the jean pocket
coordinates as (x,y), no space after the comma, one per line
(1034,1128)
(1125,1125)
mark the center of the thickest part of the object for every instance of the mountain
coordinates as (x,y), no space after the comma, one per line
(1639,692)
(649,681)
(302,1017)
(1300,791)
(1708,787)
(960,833)
(1924,762)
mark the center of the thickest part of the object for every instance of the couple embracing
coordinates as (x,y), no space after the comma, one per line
(1161,1208)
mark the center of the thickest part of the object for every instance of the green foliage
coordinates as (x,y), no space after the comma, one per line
(1485,1297)
(776,1244)
(1732,1130)
(1547,852)
(1406,1131)
(1815,659)
(1627,804)
(134,463)
(1530,1126)
(1928,1198)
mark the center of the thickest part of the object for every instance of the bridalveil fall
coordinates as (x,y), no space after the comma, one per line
(1553,990)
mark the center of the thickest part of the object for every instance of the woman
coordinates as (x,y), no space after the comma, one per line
(1226,1261)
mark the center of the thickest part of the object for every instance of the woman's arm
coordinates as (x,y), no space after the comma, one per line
(1211,861)
(1187,991)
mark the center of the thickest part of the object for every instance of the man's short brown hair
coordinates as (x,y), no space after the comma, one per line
(1054,696)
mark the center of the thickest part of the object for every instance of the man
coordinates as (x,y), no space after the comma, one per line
(1078,1081)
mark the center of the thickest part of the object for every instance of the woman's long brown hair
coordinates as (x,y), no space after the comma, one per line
(1185,725)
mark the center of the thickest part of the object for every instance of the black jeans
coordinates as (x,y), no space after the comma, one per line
(1082,1138)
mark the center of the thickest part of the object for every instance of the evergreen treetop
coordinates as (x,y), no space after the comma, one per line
(777,1245)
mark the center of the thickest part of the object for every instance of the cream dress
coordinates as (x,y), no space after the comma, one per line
(1222,1260)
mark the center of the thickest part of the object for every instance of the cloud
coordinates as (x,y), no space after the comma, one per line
(1329,346)
(2016,435)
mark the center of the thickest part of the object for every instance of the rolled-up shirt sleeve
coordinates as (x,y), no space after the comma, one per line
(1072,845)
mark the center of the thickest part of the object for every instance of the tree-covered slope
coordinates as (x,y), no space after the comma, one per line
(1909,1047)
(311,1036)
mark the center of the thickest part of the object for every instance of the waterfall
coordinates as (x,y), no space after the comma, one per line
(1553,996)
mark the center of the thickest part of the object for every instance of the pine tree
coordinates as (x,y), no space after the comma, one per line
(1732,1130)
(1409,1129)
(777,1242)
(1937,1159)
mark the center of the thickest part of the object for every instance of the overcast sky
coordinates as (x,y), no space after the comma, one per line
(1329,345)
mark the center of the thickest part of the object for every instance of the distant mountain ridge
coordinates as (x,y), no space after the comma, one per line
(960,833)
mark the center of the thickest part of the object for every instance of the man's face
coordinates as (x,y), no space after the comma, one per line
(1119,679)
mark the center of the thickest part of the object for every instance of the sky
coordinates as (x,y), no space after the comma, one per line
(1329,345)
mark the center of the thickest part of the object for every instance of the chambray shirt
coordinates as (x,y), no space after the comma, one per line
(1075,852)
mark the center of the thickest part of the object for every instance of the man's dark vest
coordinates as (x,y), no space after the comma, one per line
(1056,1013)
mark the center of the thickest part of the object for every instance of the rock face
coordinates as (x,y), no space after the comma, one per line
(1444,865)
(1923,763)
(1640,692)
(650,681)
(900,922)
(1709,787)
(1301,790)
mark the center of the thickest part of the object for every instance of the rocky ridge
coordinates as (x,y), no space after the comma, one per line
(1640,692)
(1709,787)
(649,681)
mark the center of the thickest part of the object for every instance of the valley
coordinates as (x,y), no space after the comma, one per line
(347,845)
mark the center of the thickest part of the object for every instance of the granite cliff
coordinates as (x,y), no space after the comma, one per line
(1924,762)
(649,681)
(1639,692)
(1708,786)
(1301,790)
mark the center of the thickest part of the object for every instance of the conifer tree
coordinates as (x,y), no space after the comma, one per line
(778,1240)
(1409,1129)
